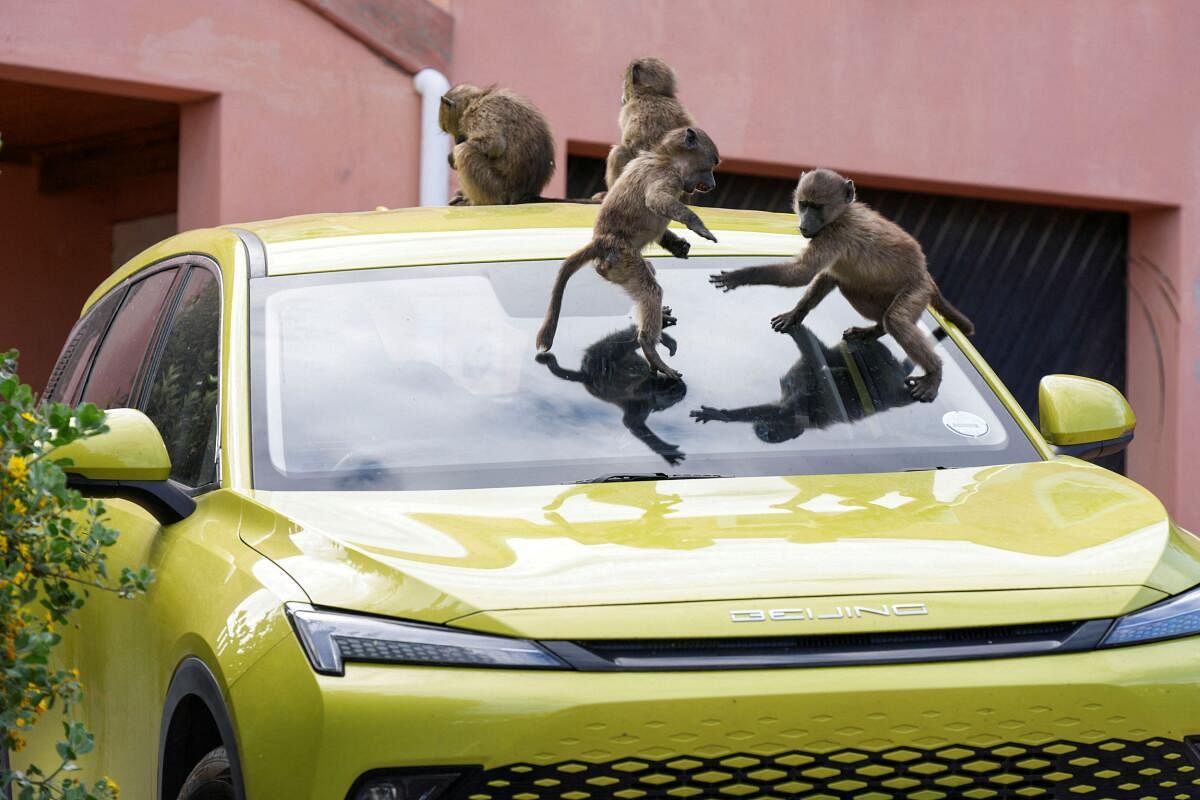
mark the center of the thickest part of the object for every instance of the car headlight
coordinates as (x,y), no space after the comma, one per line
(1174,617)
(331,638)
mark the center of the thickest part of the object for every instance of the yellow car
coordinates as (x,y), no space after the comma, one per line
(399,557)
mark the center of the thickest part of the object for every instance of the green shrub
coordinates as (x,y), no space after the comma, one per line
(52,543)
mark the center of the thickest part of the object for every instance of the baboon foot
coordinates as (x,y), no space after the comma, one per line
(725,281)
(678,247)
(708,413)
(545,340)
(459,199)
(599,196)
(668,318)
(865,332)
(670,343)
(673,374)
(786,321)
(924,387)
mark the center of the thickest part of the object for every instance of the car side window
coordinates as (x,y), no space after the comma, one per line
(69,372)
(182,398)
(123,351)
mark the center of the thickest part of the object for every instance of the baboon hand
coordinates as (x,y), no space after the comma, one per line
(678,247)
(707,413)
(668,319)
(785,321)
(545,340)
(459,199)
(672,455)
(700,229)
(726,281)
(924,388)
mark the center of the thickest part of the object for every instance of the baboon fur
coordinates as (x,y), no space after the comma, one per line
(875,264)
(635,213)
(503,151)
(649,111)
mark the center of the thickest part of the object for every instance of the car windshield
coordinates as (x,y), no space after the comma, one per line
(425,378)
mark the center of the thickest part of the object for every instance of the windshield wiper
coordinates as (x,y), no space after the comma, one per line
(624,477)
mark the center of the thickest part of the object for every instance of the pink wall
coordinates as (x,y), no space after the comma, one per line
(1090,103)
(290,114)
(56,249)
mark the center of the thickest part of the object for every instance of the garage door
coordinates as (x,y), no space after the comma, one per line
(1045,285)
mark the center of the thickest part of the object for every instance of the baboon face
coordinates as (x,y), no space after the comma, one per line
(695,156)
(454,102)
(649,76)
(820,198)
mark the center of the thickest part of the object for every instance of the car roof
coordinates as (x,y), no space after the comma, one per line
(450,235)
(447,235)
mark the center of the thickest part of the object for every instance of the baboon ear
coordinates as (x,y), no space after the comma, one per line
(849,191)
(690,138)
(635,72)
(447,102)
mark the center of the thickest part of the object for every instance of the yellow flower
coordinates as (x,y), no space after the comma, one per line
(43,704)
(23,549)
(17,468)
(18,743)
(19,578)
(18,506)
(112,787)
(29,417)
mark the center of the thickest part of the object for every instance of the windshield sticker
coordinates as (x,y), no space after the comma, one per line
(964,423)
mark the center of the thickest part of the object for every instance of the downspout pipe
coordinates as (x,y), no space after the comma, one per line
(435,144)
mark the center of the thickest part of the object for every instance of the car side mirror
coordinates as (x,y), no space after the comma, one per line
(129,461)
(1083,417)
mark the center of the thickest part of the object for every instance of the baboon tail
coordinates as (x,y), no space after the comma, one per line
(590,252)
(581,200)
(952,314)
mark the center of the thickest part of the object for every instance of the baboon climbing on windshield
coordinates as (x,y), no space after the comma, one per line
(503,149)
(821,388)
(612,371)
(877,266)
(649,111)
(634,214)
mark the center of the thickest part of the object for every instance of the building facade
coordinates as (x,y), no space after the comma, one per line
(1068,132)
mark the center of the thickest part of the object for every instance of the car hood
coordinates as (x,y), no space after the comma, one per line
(1063,526)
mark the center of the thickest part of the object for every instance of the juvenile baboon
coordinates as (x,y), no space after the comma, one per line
(634,214)
(649,111)
(503,149)
(877,266)
(821,388)
(612,371)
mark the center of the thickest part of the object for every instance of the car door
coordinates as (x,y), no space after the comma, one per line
(160,353)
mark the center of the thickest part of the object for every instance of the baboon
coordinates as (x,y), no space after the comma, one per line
(503,149)
(612,371)
(635,213)
(649,111)
(820,388)
(878,267)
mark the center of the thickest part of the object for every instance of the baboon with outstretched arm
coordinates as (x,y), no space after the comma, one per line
(649,111)
(635,213)
(503,149)
(875,264)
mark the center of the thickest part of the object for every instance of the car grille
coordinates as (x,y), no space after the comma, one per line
(955,644)
(1115,769)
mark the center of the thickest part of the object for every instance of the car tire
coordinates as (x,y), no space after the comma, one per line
(211,779)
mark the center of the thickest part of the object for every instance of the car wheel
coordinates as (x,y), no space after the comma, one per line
(211,779)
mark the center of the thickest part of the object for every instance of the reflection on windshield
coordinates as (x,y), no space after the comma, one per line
(424,378)
(614,371)
(845,383)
